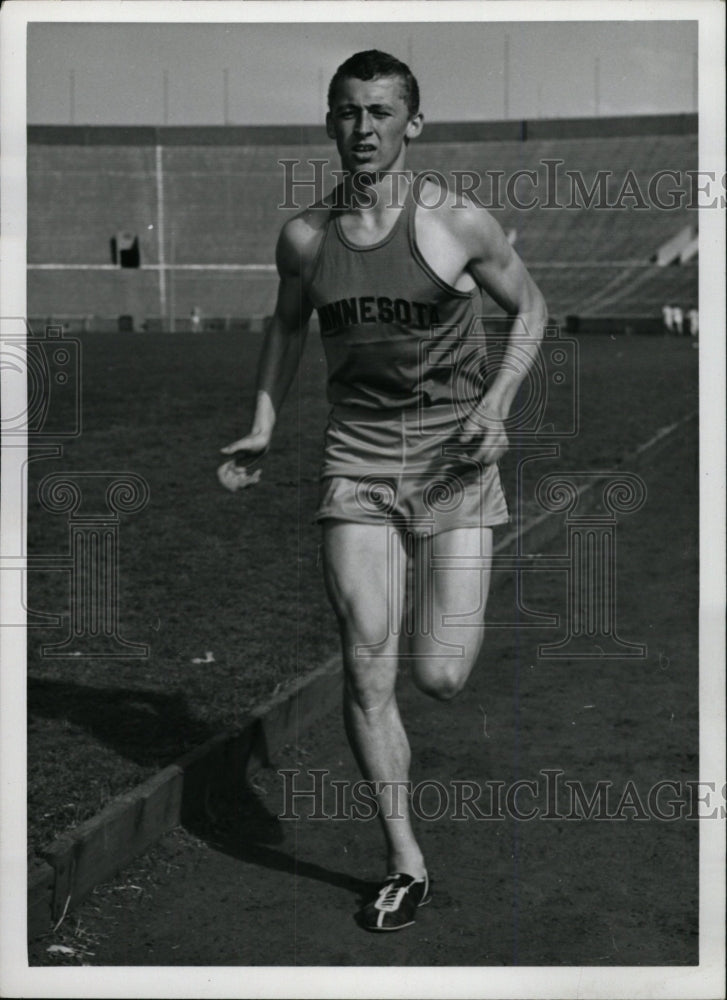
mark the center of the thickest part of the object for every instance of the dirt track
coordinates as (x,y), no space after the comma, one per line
(252,890)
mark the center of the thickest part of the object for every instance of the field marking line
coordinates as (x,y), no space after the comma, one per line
(636,279)
(591,264)
(163,266)
(74,267)
(664,431)
(617,282)
(167,778)
(332,665)
(532,522)
(538,519)
(160,232)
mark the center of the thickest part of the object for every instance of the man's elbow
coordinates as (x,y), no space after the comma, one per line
(533,314)
(542,312)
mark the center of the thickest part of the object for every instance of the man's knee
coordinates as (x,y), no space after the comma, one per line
(445,681)
(369,681)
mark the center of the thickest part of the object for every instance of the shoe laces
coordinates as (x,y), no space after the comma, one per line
(390,896)
(392,893)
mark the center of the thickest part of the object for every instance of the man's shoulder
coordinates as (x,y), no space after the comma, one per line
(442,204)
(301,234)
(304,227)
(447,201)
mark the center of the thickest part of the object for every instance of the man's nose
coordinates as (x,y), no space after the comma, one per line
(363,124)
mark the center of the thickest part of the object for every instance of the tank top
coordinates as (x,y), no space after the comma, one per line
(394,333)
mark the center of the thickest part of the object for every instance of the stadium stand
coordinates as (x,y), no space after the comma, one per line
(204,206)
(675,248)
(690,251)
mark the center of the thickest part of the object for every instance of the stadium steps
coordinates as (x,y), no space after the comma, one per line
(672,250)
(222,206)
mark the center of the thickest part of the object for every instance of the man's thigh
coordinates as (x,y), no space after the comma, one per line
(365,573)
(448,586)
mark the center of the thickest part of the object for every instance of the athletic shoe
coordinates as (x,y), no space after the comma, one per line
(396,905)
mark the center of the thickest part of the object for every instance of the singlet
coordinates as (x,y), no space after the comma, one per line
(393,332)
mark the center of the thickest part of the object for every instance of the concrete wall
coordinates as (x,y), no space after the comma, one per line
(204,203)
(299,135)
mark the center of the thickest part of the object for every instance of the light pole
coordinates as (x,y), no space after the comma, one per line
(506,78)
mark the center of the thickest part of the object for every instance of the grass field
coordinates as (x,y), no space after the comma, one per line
(204,571)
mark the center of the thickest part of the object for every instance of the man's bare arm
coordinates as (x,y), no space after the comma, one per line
(498,270)
(284,341)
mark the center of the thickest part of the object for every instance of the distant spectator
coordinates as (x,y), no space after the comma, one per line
(693,320)
(668,313)
(678,320)
(195,319)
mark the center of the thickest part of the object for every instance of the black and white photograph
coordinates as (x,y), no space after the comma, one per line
(363,499)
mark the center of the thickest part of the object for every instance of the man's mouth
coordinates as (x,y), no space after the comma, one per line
(363,147)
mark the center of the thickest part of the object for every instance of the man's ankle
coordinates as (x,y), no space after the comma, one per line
(407,865)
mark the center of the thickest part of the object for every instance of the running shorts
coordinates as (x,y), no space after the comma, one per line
(408,469)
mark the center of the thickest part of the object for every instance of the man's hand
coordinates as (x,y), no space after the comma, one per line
(485,429)
(239,471)
(248,448)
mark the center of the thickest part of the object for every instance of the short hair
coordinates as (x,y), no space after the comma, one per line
(370,65)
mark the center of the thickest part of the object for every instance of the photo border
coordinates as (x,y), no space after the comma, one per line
(705,980)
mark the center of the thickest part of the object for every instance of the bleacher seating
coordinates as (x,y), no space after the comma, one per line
(221,208)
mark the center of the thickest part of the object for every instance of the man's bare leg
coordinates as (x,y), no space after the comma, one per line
(365,576)
(449,608)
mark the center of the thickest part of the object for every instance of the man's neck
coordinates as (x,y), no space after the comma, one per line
(374,195)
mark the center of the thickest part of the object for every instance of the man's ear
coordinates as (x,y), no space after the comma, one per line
(330,131)
(415,126)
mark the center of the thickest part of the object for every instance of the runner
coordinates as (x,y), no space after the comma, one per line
(395,264)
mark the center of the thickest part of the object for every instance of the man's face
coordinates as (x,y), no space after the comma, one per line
(370,121)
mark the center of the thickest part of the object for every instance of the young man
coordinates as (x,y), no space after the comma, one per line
(410,483)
